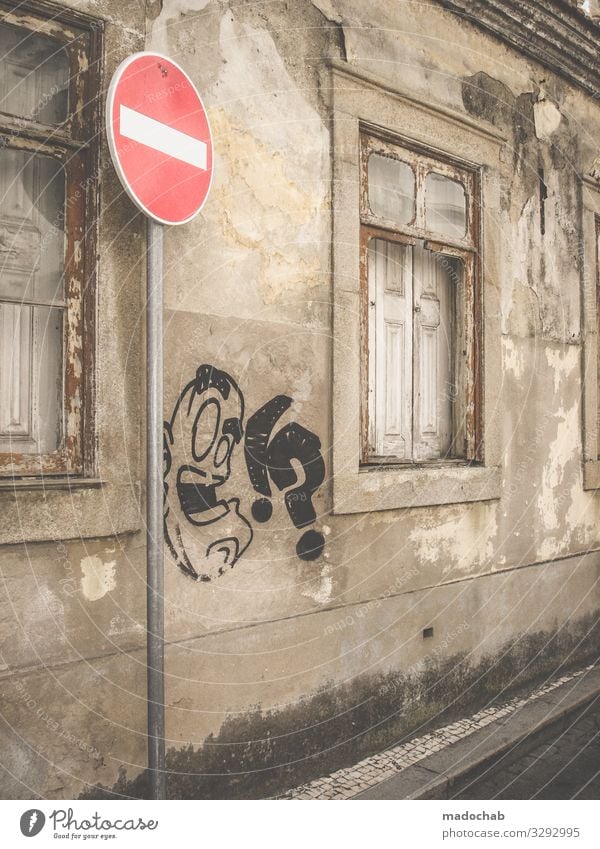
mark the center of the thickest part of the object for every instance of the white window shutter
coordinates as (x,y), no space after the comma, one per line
(15,376)
(31,340)
(433,355)
(390,347)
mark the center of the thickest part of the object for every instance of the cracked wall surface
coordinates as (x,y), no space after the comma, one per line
(277,641)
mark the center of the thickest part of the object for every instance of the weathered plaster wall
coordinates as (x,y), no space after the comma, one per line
(279,643)
(259,307)
(72,596)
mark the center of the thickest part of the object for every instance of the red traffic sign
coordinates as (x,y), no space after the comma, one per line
(159,137)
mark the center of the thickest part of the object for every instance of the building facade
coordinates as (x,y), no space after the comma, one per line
(381,400)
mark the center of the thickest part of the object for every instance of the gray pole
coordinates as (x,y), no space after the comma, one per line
(154,511)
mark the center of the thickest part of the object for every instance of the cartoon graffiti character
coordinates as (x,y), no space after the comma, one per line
(205,534)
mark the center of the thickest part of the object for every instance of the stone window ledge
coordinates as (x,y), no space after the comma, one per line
(591,474)
(40,511)
(45,483)
(374,489)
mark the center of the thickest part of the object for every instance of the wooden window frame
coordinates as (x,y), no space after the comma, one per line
(590,317)
(597,289)
(75,143)
(467,249)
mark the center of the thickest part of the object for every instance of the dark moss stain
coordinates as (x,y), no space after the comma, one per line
(264,753)
(303,36)
(487,98)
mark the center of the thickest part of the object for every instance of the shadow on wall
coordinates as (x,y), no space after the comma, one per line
(264,753)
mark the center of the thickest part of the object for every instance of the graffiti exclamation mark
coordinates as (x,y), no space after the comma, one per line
(272,459)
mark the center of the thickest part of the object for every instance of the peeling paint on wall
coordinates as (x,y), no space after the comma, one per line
(547,117)
(562,455)
(565,365)
(169,12)
(271,173)
(98,577)
(514,357)
(442,538)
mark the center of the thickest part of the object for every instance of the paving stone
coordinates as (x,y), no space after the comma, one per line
(372,771)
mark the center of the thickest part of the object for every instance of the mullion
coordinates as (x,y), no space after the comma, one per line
(29,302)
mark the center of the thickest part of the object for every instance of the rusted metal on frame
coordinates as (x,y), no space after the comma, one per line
(597,260)
(75,144)
(422,162)
(93,121)
(478,447)
(53,19)
(472,319)
(365,238)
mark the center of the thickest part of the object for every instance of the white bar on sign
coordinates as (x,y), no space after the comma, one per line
(147,131)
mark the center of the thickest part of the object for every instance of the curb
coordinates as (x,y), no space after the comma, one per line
(433,776)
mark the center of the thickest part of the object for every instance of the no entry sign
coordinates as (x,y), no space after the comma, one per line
(159,137)
(161,146)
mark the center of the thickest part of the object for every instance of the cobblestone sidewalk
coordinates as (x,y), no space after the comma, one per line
(348,782)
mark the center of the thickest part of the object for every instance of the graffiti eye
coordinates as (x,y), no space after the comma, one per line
(222,451)
(205,429)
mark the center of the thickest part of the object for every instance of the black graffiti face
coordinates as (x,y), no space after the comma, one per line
(199,440)
(205,533)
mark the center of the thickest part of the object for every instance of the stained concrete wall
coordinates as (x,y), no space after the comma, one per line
(72,600)
(282,667)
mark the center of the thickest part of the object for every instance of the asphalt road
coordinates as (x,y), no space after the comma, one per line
(565,764)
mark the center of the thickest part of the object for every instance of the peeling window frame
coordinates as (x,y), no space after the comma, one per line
(590,299)
(597,265)
(385,105)
(423,161)
(75,143)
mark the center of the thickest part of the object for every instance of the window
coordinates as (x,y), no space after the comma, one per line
(420,307)
(405,208)
(597,280)
(47,154)
(590,299)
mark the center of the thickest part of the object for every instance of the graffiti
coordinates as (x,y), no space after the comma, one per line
(205,533)
(258,432)
(272,459)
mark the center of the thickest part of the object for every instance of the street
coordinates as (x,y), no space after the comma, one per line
(565,765)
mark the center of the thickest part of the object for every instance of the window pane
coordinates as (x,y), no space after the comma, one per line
(34,76)
(32,203)
(391,189)
(445,206)
(31,379)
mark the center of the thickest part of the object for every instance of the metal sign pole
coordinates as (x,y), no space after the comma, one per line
(148,97)
(154,510)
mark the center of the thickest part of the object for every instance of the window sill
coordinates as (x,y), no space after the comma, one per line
(391,487)
(591,474)
(377,464)
(56,509)
(44,483)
